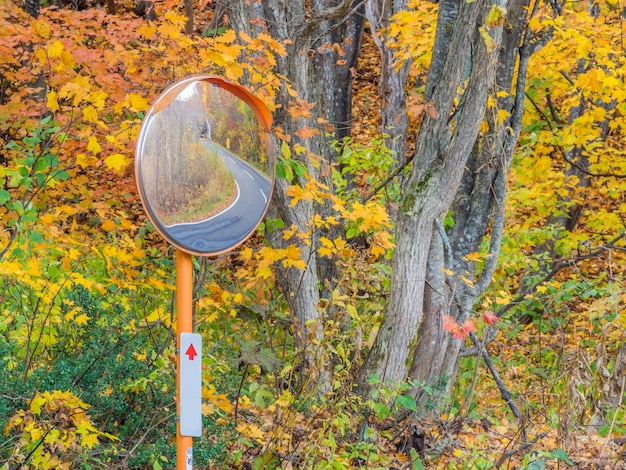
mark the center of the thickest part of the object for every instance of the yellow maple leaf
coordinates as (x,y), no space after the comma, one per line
(93,145)
(327,248)
(117,162)
(89,440)
(51,101)
(82,319)
(138,102)
(55,49)
(90,114)
(42,29)
(85,160)
(146,30)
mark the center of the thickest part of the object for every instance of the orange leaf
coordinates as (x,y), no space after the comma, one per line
(306,132)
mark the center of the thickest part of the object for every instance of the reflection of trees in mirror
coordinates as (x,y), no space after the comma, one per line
(236,128)
(185,181)
(209,189)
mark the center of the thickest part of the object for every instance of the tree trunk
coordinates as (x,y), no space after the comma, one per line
(320,73)
(442,149)
(32,7)
(189,15)
(394,119)
(478,211)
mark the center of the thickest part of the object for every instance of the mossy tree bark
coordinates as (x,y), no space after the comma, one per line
(454,168)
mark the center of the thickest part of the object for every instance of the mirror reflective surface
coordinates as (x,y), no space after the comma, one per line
(205,164)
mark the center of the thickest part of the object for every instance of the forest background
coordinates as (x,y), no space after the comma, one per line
(440,281)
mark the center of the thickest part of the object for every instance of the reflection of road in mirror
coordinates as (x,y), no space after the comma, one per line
(234,223)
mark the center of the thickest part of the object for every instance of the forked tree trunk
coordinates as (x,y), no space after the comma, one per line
(459,81)
(478,210)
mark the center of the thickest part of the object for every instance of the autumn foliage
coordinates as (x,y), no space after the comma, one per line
(87,338)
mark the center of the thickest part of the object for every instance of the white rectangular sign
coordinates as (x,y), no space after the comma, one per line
(190,384)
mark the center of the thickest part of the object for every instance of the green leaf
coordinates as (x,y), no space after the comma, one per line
(157,466)
(283,169)
(495,16)
(561,455)
(352,232)
(417,462)
(5,197)
(403,401)
(298,168)
(537,465)
(381,410)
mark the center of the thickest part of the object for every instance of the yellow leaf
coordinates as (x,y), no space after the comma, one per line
(93,145)
(327,248)
(117,162)
(90,114)
(503,298)
(55,49)
(108,225)
(137,102)
(207,409)
(502,115)
(42,29)
(51,101)
(47,219)
(472,257)
(84,161)
(496,16)
(252,431)
(69,316)
(466,280)
(489,42)
(90,440)
(147,30)
(36,404)
(81,319)
(155,315)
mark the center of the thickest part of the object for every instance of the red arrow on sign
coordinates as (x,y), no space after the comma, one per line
(191,352)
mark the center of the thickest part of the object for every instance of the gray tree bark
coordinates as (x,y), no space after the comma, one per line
(394,119)
(477,209)
(321,75)
(411,341)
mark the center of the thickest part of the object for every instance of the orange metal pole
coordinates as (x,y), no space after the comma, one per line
(184,324)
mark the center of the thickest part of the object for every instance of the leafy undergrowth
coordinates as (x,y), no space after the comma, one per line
(557,375)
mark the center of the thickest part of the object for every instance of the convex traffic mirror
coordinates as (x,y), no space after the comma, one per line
(205,164)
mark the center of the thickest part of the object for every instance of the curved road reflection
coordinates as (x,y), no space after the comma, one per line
(231,226)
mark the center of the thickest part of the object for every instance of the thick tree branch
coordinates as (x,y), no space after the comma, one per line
(328,14)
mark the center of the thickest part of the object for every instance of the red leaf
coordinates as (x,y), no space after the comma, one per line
(468,326)
(489,317)
(450,325)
